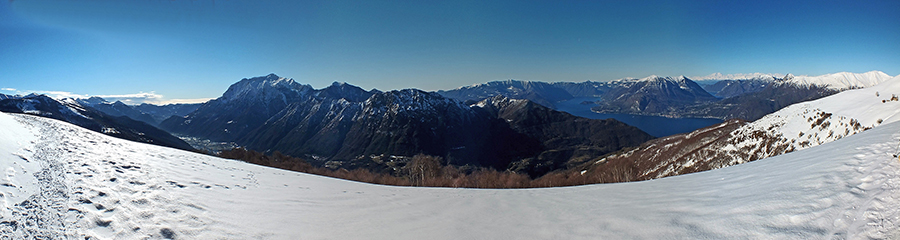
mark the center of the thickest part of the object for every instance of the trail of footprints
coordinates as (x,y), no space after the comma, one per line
(115,197)
(38,217)
(122,200)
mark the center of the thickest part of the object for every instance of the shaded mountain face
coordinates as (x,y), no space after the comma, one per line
(119,109)
(755,105)
(354,131)
(733,88)
(652,94)
(4,96)
(162,112)
(540,92)
(147,113)
(71,111)
(680,97)
(245,106)
(623,96)
(564,140)
(754,99)
(345,126)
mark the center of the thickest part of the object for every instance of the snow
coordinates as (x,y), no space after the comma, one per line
(796,127)
(837,81)
(842,80)
(111,189)
(866,104)
(17,181)
(261,88)
(737,76)
(833,117)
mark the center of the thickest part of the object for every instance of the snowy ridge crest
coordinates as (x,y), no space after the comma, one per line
(739,76)
(841,80)
(265,87)
(652,78)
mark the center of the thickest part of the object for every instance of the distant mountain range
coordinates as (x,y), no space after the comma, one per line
(738,76)
(652,94)
(796,127)
(147,113)
(540,92)
(503,125)
(345,126)
(71,111)
(734,88)
(748,98)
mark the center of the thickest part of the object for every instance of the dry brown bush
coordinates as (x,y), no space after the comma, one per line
(427,171)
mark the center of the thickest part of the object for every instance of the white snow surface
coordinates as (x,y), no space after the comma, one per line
(17,181)
(92,185)
(830,118)
(841,80)
(738,76)
(837,81)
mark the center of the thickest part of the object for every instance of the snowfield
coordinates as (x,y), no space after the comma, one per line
(812,123)
(61,181)
(841,80)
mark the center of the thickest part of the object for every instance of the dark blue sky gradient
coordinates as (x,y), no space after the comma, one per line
(195,49)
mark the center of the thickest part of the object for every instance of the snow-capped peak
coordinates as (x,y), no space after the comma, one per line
(656,78)
(263,87)
(738,76)
(91,101)
(644,79)
(842,80)
(509,82)
(650,78)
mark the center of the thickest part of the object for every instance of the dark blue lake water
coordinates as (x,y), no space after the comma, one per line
(656,126)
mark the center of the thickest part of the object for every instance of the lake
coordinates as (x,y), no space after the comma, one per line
(656,126)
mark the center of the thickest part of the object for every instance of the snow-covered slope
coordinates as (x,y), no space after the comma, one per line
(816,122)
(71,111)
(841,80)
(91,185)
(798,126)
(837,81)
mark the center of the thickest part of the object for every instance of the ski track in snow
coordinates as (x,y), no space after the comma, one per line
(93,186)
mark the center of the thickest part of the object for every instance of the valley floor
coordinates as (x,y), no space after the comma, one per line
(61,181)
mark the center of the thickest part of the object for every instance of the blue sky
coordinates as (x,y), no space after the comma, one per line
(162,50)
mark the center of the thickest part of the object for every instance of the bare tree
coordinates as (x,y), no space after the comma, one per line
(423,167)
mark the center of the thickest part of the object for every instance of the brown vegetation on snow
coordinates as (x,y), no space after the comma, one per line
(428,171)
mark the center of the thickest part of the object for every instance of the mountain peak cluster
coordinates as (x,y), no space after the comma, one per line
(345,126)
(505,125)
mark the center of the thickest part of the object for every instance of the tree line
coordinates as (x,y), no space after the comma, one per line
(427,171)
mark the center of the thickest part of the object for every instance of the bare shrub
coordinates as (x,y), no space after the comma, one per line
(427,171)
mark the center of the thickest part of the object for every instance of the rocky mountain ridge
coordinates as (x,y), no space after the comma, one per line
(748,98)
(345,126)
